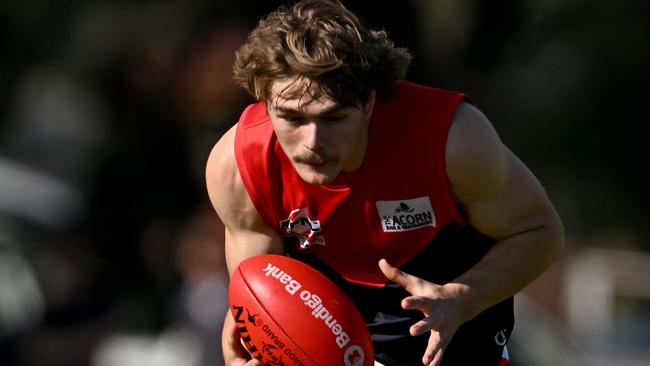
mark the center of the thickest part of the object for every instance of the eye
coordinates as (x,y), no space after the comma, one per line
(332,118)
(294,119)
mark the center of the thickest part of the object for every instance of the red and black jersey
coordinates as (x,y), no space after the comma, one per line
(397,206)
(392,207)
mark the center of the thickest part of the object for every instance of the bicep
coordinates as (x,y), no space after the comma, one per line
(245,243)
(498,194)
(246,233)
(518,206)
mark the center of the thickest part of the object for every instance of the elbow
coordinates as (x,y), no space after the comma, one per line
(556,236)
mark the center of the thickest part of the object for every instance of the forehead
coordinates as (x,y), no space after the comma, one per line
(299,95)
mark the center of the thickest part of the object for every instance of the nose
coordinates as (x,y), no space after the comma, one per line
(312,136)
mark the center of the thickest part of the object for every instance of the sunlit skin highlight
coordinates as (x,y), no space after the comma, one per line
(320,136)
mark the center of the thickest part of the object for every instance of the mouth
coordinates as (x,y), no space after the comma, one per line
(312,161)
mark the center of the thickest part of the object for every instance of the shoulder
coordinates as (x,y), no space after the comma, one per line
(223,182)
(425,95)
(246,233)
(222,170)
(221,166)
(476,159)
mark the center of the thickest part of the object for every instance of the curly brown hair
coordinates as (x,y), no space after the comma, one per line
(320,41)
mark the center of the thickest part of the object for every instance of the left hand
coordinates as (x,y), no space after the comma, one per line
(442,307)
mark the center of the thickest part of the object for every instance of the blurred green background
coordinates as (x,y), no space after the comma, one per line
(111,255)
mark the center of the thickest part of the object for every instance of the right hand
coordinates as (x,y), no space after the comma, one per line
(442,309)
(234,353)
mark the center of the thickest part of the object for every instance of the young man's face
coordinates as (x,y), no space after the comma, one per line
(320,136)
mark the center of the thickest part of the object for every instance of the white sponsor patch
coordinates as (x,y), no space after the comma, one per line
(405,215)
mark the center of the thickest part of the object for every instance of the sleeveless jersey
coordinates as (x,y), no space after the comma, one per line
(397,206)
(392,207)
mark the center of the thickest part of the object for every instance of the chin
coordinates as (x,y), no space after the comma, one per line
(312,176)
(316,178)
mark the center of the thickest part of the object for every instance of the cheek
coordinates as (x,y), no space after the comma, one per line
(345,137)
(289,139)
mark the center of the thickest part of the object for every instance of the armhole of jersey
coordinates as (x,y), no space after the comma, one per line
(449,194)
(244,172)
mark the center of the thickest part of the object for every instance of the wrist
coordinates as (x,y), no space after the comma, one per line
(466,299)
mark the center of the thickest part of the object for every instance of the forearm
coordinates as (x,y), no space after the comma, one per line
(508,267)
(230,344)
(226,336)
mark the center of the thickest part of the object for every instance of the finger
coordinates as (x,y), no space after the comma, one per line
(433,353)
(239,347)
(243,362)
(399,277)
(235,350)
(422,326)
(438,358)
(421,303)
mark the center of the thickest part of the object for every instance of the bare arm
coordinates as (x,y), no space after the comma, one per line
(502,199)
(246,234)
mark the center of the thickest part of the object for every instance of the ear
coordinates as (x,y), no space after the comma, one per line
(367,108)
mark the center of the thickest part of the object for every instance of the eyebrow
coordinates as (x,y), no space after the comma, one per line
(330,110)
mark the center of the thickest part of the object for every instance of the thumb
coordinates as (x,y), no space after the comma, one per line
(398,276)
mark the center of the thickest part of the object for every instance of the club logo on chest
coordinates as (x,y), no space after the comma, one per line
(299,225)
